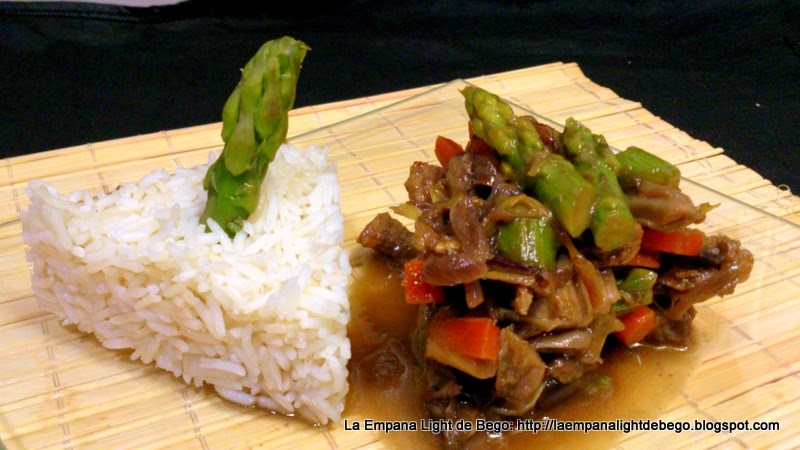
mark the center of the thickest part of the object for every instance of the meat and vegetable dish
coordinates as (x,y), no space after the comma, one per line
(535,250)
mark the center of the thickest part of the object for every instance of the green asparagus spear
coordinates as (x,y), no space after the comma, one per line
(612,224)
(637,163)
(255,121)
(529,240)
(638,280)
(552,179)
(584,147)
(636,289)
(565,192)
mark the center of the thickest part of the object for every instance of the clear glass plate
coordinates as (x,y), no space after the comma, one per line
(748,359)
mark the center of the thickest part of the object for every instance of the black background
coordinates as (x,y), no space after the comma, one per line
(724,72)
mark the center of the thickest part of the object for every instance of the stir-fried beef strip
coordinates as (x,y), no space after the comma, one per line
(388,236)
(464,260)
(432,230)
(472,174)
(662,208)
(423,179)
(452,268)
(465,218)
(722,265)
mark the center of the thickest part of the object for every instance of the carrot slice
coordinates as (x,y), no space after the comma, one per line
(646,259)
(477,145)
(445,148)
(474,337)
(416,290)
(687,242)
(638,324)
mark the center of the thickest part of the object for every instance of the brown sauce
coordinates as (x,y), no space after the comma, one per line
(385,387)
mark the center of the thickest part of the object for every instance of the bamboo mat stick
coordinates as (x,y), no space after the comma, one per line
(60,389)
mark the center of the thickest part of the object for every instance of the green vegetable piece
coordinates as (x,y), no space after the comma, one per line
(494,121)
(637,289)
(565,192)
(529,241)
(638,280)
(525,160)
(612,223)
(584,147)
(637,163)
(255,122)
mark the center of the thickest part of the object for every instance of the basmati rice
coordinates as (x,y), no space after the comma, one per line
(262,317)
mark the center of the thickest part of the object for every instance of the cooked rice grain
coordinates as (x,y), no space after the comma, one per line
(262,316)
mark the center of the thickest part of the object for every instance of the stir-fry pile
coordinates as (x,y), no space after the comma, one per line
(533,250)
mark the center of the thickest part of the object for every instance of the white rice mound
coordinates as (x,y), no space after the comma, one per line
(262,317)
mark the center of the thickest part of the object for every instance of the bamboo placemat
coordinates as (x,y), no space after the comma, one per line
(60,389)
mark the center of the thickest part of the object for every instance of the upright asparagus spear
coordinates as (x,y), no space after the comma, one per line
(552,179)
(612,224)
(255,121)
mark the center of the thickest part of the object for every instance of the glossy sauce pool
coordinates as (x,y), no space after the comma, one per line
(643,380)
